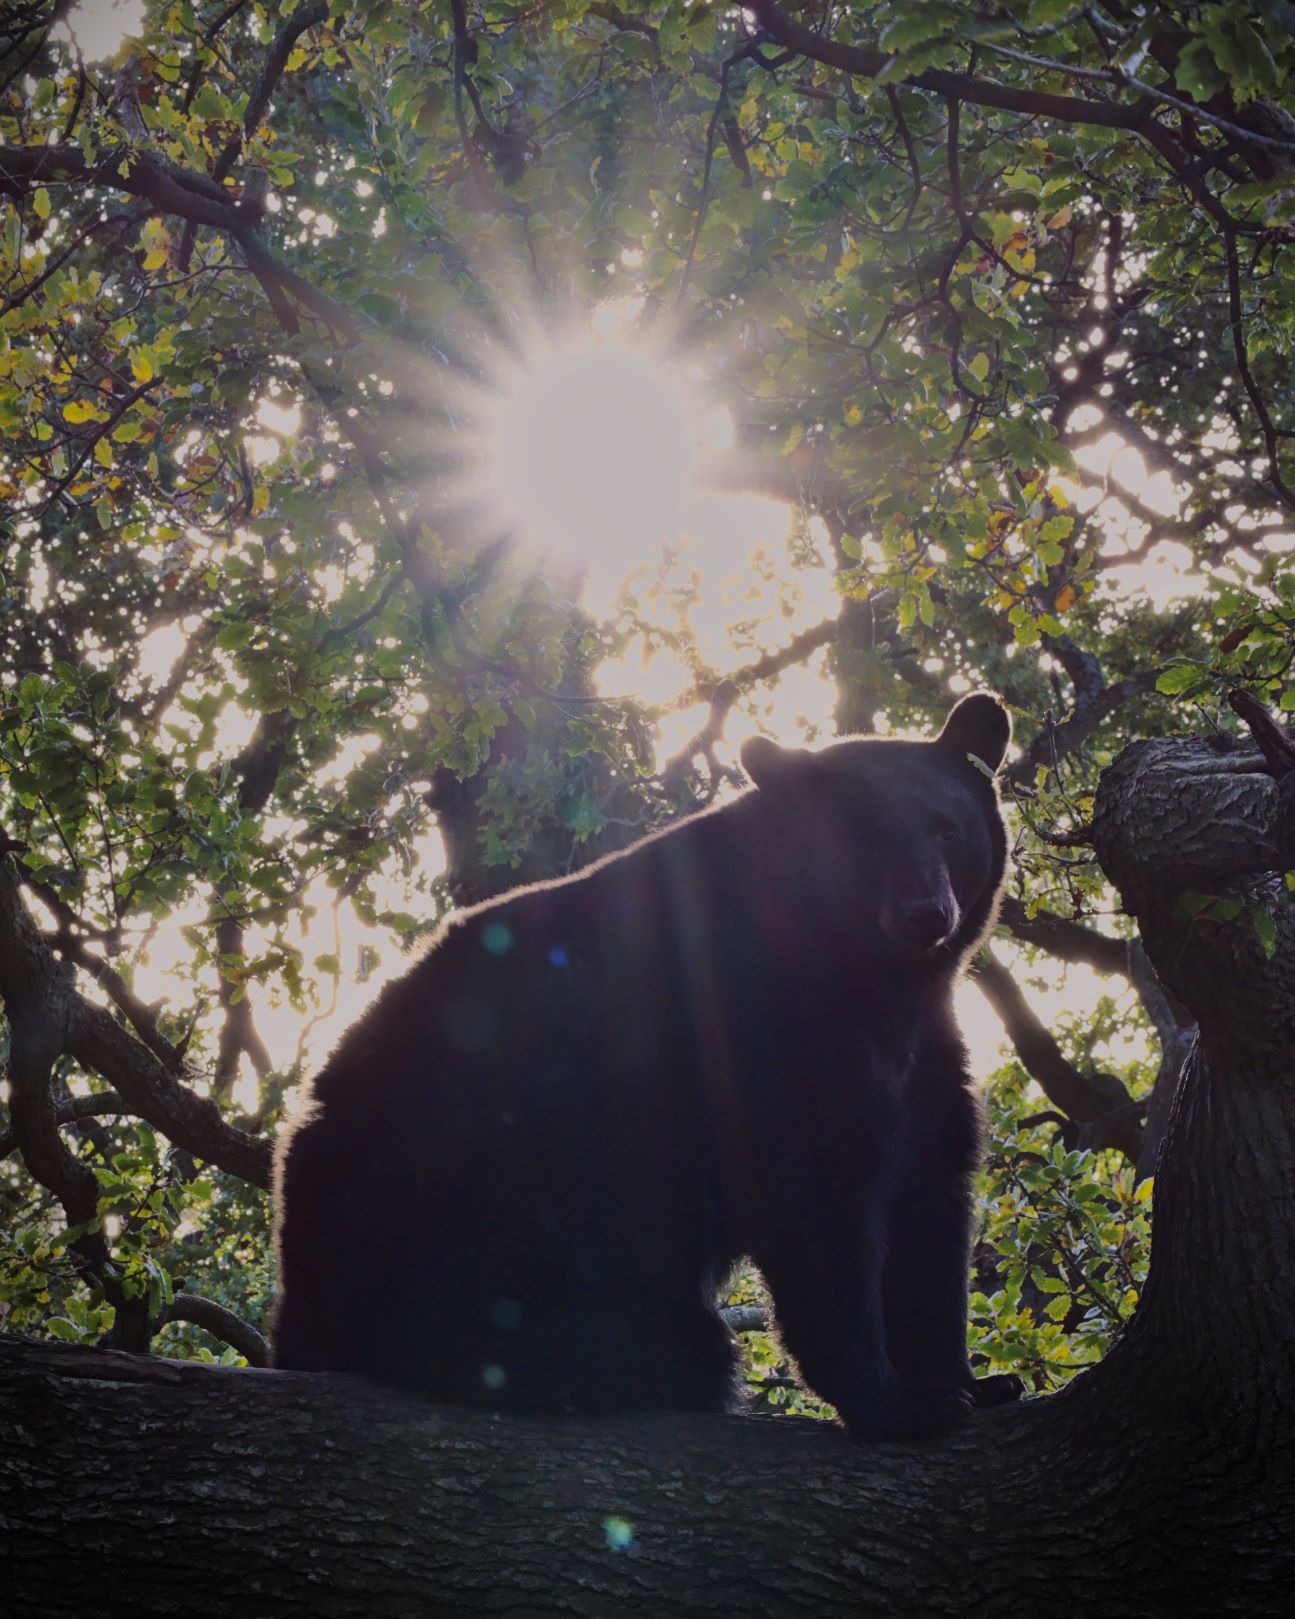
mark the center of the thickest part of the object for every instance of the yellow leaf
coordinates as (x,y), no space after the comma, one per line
(1063,216)
(40,202)
(260,499)
(78,411)
(1143,1193)
(1066,598)
(142,366)
(103,452)
(156,240)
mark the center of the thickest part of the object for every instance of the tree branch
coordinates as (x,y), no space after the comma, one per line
(769,664)
(1064,939)
(1100,1101)
(169,187)
(1095,702)
(154,1094)
(71,1112)
(220,1323)
(40,1004)
(866,62)
(275,62)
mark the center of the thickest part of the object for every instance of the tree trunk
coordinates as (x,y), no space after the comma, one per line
(1160,1483)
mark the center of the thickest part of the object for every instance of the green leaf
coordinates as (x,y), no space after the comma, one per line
(211,106)
(1179,678)
(1197,74)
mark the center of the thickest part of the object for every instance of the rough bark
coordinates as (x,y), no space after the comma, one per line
(1196,835)
(1158,1484)
(140,1487)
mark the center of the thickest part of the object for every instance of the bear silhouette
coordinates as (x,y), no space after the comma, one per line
(524,1172)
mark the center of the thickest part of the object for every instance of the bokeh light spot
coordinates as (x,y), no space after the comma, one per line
(497,938)
(619,1533)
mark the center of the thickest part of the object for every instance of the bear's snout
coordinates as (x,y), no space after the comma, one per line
(922,924)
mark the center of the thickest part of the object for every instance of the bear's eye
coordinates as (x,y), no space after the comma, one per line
(944,830)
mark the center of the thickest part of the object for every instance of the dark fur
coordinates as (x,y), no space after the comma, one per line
(525,1171)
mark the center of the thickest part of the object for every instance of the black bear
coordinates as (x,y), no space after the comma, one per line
(525,1171)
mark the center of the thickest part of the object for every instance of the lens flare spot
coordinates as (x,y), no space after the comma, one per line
(619,1533)
(494,1377)
(558,957)
(497,938)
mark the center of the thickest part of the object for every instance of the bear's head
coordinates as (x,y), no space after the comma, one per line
(907,838)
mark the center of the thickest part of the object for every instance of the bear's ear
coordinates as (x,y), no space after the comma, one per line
(771,767)
(978,725)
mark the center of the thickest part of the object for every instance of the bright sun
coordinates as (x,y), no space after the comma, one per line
(590,447)
(99,27)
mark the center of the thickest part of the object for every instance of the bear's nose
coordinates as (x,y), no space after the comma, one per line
(924,926)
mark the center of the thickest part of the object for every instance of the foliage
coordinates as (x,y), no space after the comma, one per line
(258,272)
(1064,1246)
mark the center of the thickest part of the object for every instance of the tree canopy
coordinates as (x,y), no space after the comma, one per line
(993,303)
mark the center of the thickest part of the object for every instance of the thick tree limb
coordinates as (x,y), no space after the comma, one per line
(169,187)
(234,1480)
